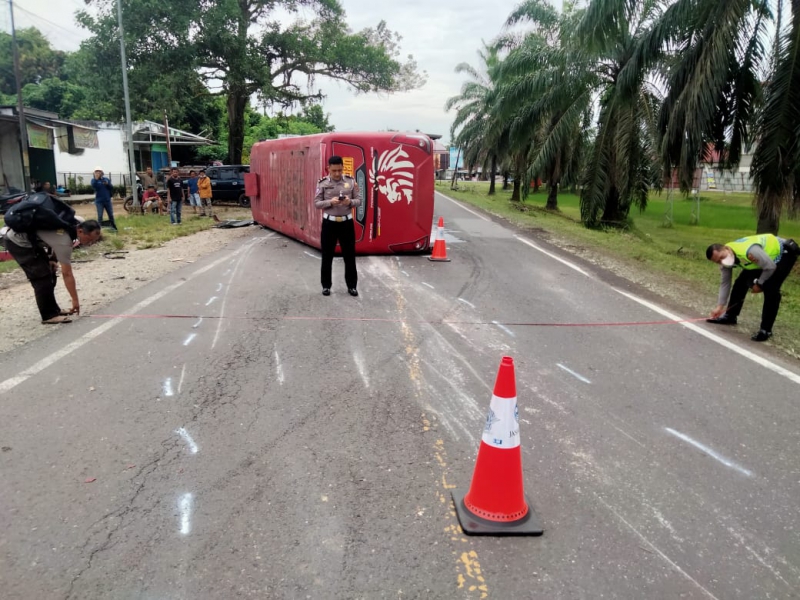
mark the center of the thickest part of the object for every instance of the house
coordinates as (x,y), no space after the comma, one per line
(110,151)
(67,152)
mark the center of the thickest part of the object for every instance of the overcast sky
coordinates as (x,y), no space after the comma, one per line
(439,35)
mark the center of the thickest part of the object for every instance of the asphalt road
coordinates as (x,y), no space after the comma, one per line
(291,450)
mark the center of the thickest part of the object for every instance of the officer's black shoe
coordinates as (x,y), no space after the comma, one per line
(723,320)
(326,291)
(761,336)
(352,291)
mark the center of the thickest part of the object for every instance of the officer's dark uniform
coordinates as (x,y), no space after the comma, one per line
(337,225)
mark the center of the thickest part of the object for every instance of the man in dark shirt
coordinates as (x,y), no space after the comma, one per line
(176,193)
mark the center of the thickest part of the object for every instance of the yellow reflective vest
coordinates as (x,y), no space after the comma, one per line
(770,243)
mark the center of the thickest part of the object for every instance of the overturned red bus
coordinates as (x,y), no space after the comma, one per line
(393,170)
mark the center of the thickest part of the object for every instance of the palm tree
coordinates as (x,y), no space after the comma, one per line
(548,116)
(570,78)
(477,135)
(717,99)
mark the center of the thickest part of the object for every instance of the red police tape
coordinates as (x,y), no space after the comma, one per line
(422,321)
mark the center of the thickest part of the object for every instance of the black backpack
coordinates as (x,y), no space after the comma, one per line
(41,211)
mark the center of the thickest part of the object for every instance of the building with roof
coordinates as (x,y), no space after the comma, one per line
(67,152)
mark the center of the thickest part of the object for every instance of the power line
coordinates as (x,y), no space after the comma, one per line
(42,19)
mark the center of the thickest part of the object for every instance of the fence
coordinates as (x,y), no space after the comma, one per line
(80,183)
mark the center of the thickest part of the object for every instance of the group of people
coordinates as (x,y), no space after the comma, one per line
(196,191)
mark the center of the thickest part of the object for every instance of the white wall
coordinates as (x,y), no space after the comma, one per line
(110,155)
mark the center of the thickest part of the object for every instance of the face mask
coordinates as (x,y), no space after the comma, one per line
(728,261)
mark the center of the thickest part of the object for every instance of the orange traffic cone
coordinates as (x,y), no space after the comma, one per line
(439,248)
(496,503)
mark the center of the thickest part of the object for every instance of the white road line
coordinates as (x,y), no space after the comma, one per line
(219,287)
(764,362)
(573,373)
(429,285)
(504,328)
(185,505)
(712,453)
(188,439)
(553,256)
(467,302)
(180,383)
(220,321)
(362,370)
(406,274)
(279,368)
(167,387)
(53,358)
(189,339)
(225,274)
(479,215)
(211,300)
(313,255)
(196,325)
(656,550)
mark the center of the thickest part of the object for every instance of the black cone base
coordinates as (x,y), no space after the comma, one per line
(474,525)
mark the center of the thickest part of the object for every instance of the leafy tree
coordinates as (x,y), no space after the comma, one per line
(64,98)
(314,113)
(38,60)
(241,47)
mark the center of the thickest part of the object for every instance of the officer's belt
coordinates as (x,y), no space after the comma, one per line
(336,219)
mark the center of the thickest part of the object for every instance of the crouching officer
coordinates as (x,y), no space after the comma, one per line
(37,255)
(766,260)
(336,195)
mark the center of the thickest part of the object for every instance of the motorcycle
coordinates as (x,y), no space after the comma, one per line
(9,200)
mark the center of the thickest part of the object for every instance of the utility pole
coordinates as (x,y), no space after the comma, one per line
(169,145)
(23,128)
(131,157)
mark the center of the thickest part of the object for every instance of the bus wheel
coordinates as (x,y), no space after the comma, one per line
(244,201)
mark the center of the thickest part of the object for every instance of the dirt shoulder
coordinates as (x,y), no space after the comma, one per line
(101,281)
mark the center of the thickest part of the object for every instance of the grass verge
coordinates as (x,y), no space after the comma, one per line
(145,231)
(665,255)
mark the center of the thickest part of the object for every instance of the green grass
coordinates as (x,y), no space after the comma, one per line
(146,231)
(665,255)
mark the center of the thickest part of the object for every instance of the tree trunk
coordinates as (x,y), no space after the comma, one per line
(553,179)
(492,175)
(612,214)
(516,195)
(767,223)
(552,195)
(237,102)
(505,180)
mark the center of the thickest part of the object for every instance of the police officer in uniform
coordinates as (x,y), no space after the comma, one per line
(766,260)
(337,195)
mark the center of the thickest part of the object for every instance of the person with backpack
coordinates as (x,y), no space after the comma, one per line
(103,191)
(39,227)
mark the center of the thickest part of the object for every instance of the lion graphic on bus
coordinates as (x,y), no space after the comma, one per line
(395,177)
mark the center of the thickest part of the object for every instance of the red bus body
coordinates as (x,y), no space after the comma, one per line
(393,170)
